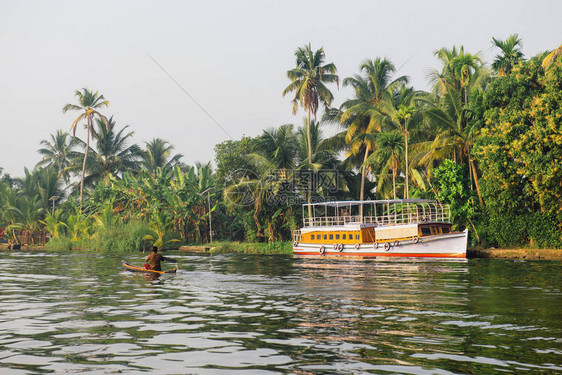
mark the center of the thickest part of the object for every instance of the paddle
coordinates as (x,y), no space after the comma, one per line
(171,260)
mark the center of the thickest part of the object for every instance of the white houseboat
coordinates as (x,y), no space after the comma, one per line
(379,228)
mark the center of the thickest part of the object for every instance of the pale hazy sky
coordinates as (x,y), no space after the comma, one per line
(231,56)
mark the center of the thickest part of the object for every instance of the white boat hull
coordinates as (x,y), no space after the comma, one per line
(451,245)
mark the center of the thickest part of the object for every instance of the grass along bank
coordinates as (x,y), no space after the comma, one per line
(122,237)
(265,248)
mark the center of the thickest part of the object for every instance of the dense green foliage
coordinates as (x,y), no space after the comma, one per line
(487,142)
(118,238)
(520,153)
(521,144)
(451,184)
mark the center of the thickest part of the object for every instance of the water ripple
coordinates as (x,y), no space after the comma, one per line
(73,312)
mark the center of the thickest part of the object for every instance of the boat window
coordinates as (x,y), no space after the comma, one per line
(446,230)
(325,237)
(425,231)
(331,236)
(337,236)
(344,237)
(312,237)
(356,236)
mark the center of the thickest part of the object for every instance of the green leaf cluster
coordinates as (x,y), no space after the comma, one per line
(520,146)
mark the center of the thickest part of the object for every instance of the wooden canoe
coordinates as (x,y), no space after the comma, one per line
(128,267)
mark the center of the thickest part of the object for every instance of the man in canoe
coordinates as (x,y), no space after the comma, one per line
(154,260)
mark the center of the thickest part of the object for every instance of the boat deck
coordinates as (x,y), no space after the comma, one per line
(379,212)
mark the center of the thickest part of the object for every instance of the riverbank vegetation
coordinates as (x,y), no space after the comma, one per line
(266,248)
(485,139)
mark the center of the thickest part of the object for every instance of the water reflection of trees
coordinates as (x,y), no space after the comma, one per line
(476,316)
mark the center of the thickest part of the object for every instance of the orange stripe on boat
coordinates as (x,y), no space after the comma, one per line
(412,255)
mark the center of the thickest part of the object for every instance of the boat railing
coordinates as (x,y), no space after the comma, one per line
(406,214)
(297,235)
(326,221)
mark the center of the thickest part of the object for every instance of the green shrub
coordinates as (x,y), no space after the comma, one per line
(134,240)
(62,243)
(116,238)
(120,237)
(509,231)
(268,248)
(544,232)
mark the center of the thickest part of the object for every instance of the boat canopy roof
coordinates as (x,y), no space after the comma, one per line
(378,212)
(367,202)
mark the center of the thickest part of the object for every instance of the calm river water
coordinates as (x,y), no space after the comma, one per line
(222,314)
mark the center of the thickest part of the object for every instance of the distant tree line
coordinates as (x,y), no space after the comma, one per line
(487,141)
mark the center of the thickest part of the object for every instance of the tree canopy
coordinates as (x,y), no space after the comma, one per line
(487,142)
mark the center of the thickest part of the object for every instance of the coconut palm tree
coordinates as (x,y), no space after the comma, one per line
(22,211)
(390,148)
(158,154)
(57,153)
(111,154)
(324,150)
(454,134)
(10,181)
(54,224)
(274,160)
(467,68)
(89,102)
(9,212)
(31,212)
(308,81)
(203,181)
(327,171)
(49,187)
(78,226)
(161,228)
(463,77)
(279,146)
(461,71)
(510,54)
(268,182)
(405,116)
(43,184)
(363,114)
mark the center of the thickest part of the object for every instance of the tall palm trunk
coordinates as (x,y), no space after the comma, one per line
(256,218)
(198,238)
(475,173)
(362,191)
(309,139)
(309,184)
(271,230)
(470,174)
(394,173)
(15,236)
(88,130)
(406,192)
